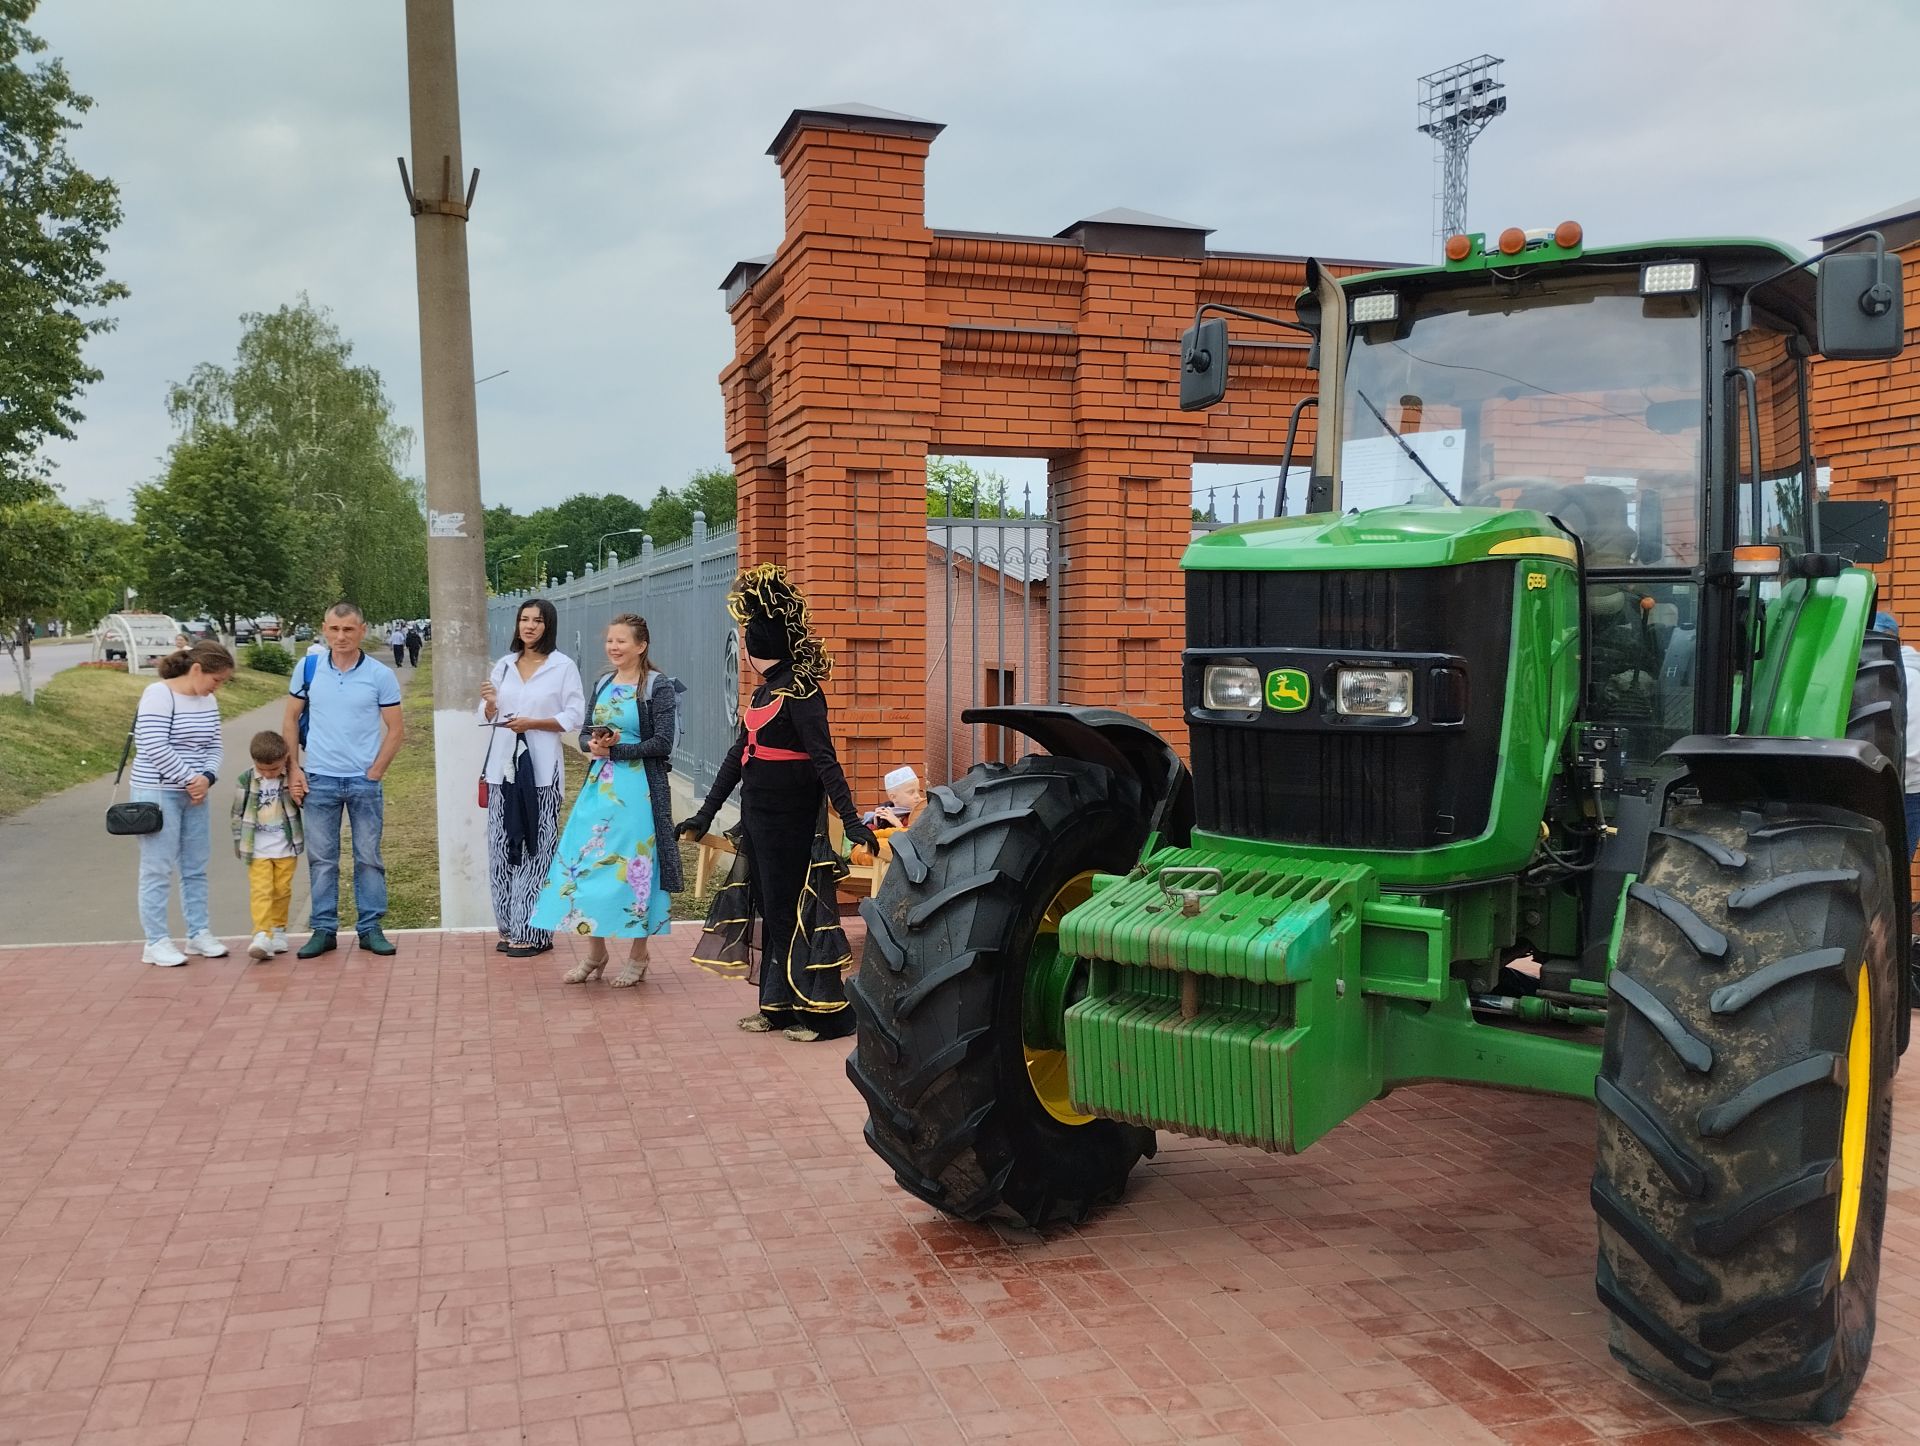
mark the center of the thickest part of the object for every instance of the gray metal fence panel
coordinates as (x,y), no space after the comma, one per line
(681,591)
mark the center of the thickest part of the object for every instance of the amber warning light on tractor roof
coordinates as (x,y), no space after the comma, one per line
(1473,251)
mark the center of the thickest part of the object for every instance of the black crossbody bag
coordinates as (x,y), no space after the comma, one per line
(133,818)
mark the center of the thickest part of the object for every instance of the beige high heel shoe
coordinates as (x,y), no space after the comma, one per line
(588,968)
(634,970)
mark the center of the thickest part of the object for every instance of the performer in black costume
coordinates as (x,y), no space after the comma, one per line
(784,763)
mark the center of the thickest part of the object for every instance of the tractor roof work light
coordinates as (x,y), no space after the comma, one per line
(1375,306)
(1665,278)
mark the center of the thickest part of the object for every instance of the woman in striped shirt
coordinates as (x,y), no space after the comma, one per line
(176,733)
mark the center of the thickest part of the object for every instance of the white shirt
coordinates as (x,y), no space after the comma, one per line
(554,692)
(270,839)
(1910,665)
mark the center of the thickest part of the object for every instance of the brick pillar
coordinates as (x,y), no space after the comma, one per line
(1124,499)
(857,353)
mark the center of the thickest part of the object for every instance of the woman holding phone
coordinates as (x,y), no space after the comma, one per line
(617,861)
(531,699)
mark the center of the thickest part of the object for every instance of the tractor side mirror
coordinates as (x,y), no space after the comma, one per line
(1650,522)
(1856,530)
(1860,306)
(1203,364)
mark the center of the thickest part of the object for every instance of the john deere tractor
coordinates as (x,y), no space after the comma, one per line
(1550,747)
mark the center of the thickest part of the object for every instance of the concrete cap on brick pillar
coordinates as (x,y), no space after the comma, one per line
(740,279)
(852,116)
(1126,232)
(1899,224)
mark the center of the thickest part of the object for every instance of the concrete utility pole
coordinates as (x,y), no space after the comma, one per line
(456,546)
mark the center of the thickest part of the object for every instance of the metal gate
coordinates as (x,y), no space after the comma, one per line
(993,616)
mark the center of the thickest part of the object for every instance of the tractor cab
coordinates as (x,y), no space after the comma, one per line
(1651,400)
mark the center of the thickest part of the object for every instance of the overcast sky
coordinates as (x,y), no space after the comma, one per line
(622,150)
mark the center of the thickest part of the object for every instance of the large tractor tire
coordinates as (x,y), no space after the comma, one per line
(970,1118)
(1878,710)
(1746,1096)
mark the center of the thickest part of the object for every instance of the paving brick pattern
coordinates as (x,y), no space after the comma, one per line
(445,1198)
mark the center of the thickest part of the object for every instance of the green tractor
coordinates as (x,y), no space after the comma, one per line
(1547,749)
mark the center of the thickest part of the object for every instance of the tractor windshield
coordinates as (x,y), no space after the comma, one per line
(1573,396)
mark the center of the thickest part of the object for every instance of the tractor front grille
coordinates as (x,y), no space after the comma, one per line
(1344,787)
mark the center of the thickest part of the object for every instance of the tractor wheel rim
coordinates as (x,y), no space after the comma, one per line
(1853,1133)
(1047,1069)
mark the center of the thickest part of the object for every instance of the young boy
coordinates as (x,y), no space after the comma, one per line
(905,794)
(267,838)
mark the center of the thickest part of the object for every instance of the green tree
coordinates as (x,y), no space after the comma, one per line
(214,531)
(958,489)
(54,223)
(43,567)
(325,425)
(112,550)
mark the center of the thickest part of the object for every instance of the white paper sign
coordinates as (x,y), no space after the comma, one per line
(446,524)
(1377,472)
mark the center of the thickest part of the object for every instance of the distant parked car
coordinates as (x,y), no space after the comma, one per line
(302,633)
(245,630)
(269,629)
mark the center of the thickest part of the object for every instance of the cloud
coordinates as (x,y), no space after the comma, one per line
(623,168)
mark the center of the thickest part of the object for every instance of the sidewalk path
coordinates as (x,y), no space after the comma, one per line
(65,880)
(445,1198)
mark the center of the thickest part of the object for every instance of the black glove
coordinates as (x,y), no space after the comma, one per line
(859,833)
(694,828)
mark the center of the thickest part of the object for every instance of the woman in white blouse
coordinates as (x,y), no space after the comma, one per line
(534,698)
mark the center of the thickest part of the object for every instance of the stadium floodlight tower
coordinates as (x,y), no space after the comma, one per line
(1456,104)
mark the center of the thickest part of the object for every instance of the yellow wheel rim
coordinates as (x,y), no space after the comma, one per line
(1853,1134)
(1047,1068)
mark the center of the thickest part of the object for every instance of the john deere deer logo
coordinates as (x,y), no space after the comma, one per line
(1288,690)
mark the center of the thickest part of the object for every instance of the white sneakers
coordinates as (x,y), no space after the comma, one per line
(264,946)
(261,948)
(205,944)
(280,945)
(163,954)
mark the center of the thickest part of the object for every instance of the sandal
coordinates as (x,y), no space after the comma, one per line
(631,973)
(587,968)
(756,1024)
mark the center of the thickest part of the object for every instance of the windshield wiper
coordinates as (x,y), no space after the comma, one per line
(1418,461)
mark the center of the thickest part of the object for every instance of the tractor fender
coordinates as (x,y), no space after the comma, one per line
(1838,772)
(1114,740)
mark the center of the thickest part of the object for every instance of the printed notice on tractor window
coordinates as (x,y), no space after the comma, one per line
(1377,472)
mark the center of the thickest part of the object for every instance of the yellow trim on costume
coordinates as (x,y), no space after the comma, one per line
(1538,546)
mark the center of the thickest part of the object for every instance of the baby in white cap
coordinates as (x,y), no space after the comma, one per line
(904,797)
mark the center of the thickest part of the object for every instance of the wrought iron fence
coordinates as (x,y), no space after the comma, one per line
(681,590)
(993,614)
(1253,500)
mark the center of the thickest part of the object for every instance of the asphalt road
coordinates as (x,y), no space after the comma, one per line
(48,658)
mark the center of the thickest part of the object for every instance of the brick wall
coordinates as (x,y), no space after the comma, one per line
(868,340)
(1866,426)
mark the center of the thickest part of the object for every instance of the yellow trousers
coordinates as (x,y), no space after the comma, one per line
(270,882)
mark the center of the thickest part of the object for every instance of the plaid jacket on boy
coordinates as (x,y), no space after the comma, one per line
(246,816)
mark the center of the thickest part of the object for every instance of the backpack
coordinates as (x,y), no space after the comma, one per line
(308,666)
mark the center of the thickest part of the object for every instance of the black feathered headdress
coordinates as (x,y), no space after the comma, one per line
(778,626)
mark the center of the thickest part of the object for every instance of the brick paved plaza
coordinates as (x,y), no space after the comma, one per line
(445,1198)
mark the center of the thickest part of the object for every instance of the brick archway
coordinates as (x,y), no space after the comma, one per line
(868,340)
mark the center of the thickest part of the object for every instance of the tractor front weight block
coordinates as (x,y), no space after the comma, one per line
(1263,1000)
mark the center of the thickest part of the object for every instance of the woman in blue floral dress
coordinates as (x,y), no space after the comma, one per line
(609,879)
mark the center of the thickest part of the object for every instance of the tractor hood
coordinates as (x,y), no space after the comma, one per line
(1386,537)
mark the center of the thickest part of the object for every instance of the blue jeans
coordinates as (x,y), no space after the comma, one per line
(1913,827)
(182,844)
(364,803)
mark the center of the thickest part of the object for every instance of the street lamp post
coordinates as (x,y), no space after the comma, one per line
(538,553)
(500,566)
(601,547)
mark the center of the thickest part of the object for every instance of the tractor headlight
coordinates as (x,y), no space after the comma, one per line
(1374,692)
(1231,687)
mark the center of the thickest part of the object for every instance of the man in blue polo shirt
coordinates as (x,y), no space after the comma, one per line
(352,703)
